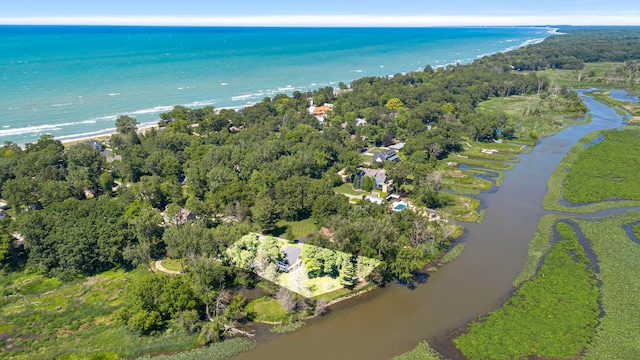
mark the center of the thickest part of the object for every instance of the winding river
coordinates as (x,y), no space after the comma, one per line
(391,320)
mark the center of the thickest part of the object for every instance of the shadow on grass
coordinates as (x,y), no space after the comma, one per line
(278,231)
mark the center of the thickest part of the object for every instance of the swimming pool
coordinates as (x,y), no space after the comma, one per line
(399,207)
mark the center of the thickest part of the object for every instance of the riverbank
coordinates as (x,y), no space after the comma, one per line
(509,211)
(607,256)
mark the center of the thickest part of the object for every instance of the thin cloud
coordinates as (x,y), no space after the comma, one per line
(630,19)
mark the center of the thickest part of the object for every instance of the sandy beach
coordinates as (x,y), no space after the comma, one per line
(103,137)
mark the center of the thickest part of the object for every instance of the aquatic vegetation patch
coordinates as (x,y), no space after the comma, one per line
(468,181)
(219,351)
(454,253)
(618,336)
(606,169)
(421,352)
(554,315)
(460,208)
(607,172)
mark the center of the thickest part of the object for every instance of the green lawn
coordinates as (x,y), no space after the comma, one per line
(299,229)
(267,309)
(375,150)
(171,264)
(347,188)
(310,287)
(366,158)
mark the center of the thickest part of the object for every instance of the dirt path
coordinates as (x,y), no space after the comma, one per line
(159,267)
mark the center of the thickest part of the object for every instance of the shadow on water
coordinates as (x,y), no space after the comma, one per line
(393,319)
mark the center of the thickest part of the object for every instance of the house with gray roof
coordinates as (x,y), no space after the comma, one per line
(380,179)
(385,155)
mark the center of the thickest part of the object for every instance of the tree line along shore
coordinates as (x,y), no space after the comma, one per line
(373,174)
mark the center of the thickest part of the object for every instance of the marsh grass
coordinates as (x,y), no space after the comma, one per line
(594,75)
(287,327)
(481,162)
(421,352)
(538,247)
(453,253)
(591,173)
(219,351)
(618,336)
(532,113)
(461,208)
(624,108)
(554,315)
(464,182)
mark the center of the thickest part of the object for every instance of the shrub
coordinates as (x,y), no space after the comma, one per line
(188,320)
(145,322)
(211,332)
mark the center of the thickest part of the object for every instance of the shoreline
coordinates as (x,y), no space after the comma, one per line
(100,137)
(20,133)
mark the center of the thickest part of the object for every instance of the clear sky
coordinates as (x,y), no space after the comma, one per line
(321,13)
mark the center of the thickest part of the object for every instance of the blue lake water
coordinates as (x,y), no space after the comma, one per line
(73,81)
(623,95)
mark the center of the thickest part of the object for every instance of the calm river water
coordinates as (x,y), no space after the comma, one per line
(394,319)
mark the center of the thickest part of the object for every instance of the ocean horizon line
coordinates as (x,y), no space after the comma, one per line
(339,20)
(337,27)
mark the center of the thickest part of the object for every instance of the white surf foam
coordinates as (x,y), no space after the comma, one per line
(152,110)
(241,97)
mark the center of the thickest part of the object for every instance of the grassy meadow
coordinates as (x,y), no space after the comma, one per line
(594,75)
(44,318)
